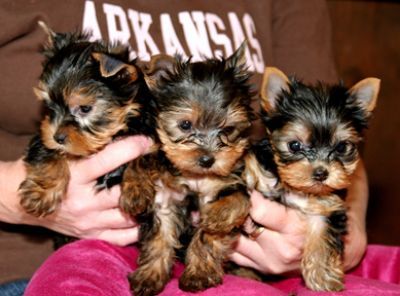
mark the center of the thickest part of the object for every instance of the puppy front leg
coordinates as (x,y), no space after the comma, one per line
(229,210)
(159,237)
(204,260)
(219,221)
(322,262)
(46,182)
(137,188)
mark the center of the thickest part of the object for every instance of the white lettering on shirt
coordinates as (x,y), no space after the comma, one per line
(117,23)
(140,24)
(195,33)
(250,29)
(172,45)
(202,31)
(239,37)
(214,23)
(89,23)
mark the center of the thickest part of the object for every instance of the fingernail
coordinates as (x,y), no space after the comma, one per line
(147,144)
(142,141)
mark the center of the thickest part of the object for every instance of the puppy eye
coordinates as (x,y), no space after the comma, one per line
(228,130)
(84,109)
(295,146)
(122,75)
(342,147)
(185,125)
(81,111)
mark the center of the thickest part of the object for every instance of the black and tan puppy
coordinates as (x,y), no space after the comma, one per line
(203,121)
(313,134)
(92,92)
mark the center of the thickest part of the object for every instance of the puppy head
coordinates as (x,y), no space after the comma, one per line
(204,111)
(315,130)
(89,90)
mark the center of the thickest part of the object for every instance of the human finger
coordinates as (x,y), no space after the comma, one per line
(114,219)
(243,260)
(265,260)
(248,247)
(81,205)
(107,198)
(273,215)
(120,237)
(111,157)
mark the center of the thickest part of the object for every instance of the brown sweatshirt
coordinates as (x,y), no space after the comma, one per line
(292,35)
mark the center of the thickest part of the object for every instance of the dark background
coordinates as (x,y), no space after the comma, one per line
(366,42)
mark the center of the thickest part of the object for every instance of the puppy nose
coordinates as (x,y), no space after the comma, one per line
(60,138)
(206,161)
(320,174)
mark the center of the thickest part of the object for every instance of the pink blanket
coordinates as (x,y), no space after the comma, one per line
(90,267)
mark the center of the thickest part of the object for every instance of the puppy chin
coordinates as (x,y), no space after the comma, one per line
(316,189)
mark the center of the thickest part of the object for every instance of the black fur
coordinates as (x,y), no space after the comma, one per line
(213,81)
(70,65)
(37,153)
(264,154)
(321,108)
(337,222)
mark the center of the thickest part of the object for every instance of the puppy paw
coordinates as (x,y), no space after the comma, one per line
(198,280)
(327,282)
(223,215)
(136,200)
(40,199)
(329,277)
(147,282)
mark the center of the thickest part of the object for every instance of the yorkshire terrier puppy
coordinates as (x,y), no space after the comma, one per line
(92,92)
(203,121)
(311,151)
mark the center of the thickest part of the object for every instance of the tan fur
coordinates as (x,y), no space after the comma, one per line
(374,85)
(258,178)
(158,256)
(204,259)
(223,215)
(291,131)
(46,184)
(190,132)
(137,189)
(298,176)
(44,187)
(82,143)
(76,99)
(102,59)
(274,80)
(185,156)
(322,265)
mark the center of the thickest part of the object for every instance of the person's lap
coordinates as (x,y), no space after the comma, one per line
(90,267)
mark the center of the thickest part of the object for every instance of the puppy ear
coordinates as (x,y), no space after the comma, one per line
(50,33)
(238,58)
(110,66)
(41,92)
(159,66)
(273,83)
(366,93)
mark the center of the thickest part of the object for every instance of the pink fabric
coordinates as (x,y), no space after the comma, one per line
(90,267)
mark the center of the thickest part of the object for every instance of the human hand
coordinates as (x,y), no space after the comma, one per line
(355,240)
(279,247)
(84,213)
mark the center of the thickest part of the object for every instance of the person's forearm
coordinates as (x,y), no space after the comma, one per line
(357,196)
(356,202)
(11,175)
